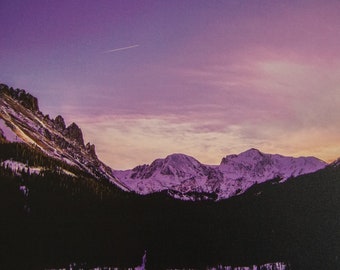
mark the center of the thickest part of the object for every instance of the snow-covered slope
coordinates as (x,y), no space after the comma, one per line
(7,133)
(176,172)
(254,167)
(21,121)
(186,178)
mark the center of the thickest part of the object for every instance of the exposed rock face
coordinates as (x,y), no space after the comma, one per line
(29,101)
(25,99)
(59,123)
(26,124)
(47,119)
(46,133)
(91,149)
(2,136)
(74,132)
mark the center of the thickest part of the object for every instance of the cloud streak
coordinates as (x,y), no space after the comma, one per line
(122,48)
(214,79)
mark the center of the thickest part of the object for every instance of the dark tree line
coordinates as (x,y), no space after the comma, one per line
(84,220)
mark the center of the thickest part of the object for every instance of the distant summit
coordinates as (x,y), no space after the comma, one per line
(257,165)
(188,179)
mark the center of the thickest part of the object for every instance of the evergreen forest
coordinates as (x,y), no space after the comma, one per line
(51,219)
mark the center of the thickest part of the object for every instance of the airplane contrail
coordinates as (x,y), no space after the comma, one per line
(121,49)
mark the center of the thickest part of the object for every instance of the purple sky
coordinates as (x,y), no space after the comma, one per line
(144,79)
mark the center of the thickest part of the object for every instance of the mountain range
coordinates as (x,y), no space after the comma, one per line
(61,206)
(186,178)
(182,176)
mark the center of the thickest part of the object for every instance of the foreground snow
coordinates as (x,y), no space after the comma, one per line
(267,266)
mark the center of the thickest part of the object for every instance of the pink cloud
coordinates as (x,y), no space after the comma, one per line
(228,77)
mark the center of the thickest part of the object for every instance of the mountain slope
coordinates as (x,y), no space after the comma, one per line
(186,178)
(296,222)
(56,211)
(21,121)
(182,176)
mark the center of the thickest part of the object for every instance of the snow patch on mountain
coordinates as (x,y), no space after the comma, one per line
(8,133)
(18,167)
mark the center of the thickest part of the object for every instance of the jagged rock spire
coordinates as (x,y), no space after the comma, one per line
(74,132)
(59,123)
(91,149)
(25,99)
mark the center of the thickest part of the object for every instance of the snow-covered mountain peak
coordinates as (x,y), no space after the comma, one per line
(183,175)
(258,166)
(181,162)
(250,156)
(176,165)
(252,152)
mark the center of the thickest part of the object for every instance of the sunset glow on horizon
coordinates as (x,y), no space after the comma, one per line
(144,79)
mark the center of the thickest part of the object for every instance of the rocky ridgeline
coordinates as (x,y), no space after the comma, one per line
(55,130)
(25,99)
(19,112)
(72,132)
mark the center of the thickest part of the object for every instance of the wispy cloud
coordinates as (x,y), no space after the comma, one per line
(210,89)
(122,48)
